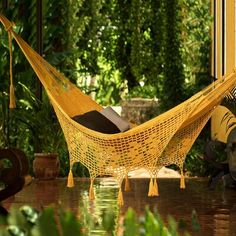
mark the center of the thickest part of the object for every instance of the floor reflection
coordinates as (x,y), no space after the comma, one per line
(216,209)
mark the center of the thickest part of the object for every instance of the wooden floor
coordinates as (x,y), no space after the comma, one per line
(216,209)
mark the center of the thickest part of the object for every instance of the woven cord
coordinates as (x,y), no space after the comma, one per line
(12,103)
(70,179)
(127,184)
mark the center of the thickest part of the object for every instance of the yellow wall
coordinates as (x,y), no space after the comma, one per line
(223,55)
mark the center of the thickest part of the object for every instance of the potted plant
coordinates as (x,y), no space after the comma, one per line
(47,135)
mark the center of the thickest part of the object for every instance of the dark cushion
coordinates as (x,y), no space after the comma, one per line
(96,121)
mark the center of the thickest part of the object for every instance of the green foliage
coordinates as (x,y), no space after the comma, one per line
(146,91)
(130,223)
(46,225)
(173,82)
(195,223)
(27,221)
(20,70)
(108,222)
(43,128)
(119,36)
(153,225)
(69,224)
(163,45)
(195,163)
(33,126)
(110,82)
(150,224)
(196,48)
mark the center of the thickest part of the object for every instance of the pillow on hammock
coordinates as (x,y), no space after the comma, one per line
(116,119)
(96,121)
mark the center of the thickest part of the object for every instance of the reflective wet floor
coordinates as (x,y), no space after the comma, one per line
(216,209)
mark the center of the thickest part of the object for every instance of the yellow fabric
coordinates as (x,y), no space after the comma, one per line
(150,190)
(12,103)
(182,181)
(91,190)
(120,198)
(155,188)
(127,184)
(161,141)
(70,180)
(222,123)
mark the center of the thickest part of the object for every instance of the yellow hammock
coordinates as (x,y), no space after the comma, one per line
(163,140)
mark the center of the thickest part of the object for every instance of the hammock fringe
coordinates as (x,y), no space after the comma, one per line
(91,191)
(182,181)
(155,188)
(150,190)
(70,180)
(120,199)
(12,103)
(127,184)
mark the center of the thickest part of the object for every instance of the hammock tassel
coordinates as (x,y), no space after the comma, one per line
(91,191)
(70,180)
(155,188)
(182,181)
(120,198)
(12,103)
(127,184)
(150,191)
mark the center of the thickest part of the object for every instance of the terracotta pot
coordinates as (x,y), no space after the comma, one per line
(46,165)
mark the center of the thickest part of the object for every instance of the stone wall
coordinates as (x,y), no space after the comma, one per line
(139,110)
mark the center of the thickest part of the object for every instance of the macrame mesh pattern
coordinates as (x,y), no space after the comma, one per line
(164,140)
(182,141)
(118,154)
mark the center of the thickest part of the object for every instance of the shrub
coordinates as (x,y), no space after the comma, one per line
(55,222)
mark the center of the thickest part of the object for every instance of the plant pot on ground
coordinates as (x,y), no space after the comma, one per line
(46,135)
(46,165)
(48,140)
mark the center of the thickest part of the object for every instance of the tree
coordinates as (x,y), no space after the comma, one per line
(173,82)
